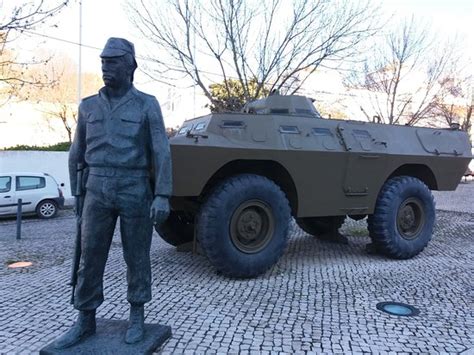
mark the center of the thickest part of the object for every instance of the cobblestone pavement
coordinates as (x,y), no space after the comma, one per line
(462,200)
(320,297)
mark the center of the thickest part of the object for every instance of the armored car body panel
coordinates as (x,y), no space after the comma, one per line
(325,168)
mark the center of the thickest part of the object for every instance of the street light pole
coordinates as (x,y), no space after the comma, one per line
(79,74)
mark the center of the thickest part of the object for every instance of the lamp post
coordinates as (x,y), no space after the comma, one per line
(79,74)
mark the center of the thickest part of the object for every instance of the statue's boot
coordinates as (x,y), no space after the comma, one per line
(83,328)
(136,326)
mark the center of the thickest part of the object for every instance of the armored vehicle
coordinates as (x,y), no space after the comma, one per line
(238,178)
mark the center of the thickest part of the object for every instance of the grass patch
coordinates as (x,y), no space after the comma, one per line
(357,232)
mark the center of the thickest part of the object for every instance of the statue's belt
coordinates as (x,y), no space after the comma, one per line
(118,171)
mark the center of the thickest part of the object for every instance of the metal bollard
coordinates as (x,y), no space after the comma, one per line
(18,219)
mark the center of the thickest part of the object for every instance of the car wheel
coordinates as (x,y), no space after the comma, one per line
(177,229)
(243,224)
(403,219)
(46,209)
(320,225)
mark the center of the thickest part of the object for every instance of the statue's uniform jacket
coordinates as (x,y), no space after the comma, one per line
(126,152)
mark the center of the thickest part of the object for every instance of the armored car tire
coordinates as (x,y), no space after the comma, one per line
(242,226)
(403,219)
(320,225)
(177,229)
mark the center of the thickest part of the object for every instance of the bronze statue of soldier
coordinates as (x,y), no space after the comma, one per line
(121,146)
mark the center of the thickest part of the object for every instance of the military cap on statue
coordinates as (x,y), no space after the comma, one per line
(117,47)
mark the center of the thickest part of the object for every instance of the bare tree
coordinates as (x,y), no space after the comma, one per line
(403,75)
(275,44)
(58,102)
(66,114)
(61,98)
(455,103)
(14,21)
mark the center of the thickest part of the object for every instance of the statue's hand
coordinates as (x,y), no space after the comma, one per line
(160,209)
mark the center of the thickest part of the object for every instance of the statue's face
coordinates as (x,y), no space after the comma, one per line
(115,72)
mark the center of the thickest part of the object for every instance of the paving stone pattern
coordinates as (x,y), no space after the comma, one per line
(462,200)
(319,298)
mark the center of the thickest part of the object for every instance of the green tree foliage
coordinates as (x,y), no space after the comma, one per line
(229,95)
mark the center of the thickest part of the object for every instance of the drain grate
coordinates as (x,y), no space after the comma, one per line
(398,309)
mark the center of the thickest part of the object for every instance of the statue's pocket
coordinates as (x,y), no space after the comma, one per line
(131,124)
(94,119)
(95,125)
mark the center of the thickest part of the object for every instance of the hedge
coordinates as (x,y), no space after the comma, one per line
(58,147)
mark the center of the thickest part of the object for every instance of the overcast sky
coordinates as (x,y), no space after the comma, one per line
(106,18)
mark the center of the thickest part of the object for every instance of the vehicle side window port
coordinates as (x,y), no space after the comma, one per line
(232,124)
(200,126)
(307,112)
(322,132)
(280,111)
(289,129)
(184,130)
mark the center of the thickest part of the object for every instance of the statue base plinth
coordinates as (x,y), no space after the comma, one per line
(109,339)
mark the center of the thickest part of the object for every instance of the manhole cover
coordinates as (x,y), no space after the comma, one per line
(20,264)
(398,309)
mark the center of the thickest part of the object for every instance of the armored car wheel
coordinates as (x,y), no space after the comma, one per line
(403,220)
(320,225)
(243,225)
(177,229)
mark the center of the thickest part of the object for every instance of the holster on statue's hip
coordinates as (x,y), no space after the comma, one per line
(82,174)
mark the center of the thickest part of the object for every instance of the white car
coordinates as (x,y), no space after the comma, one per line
(39,192)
